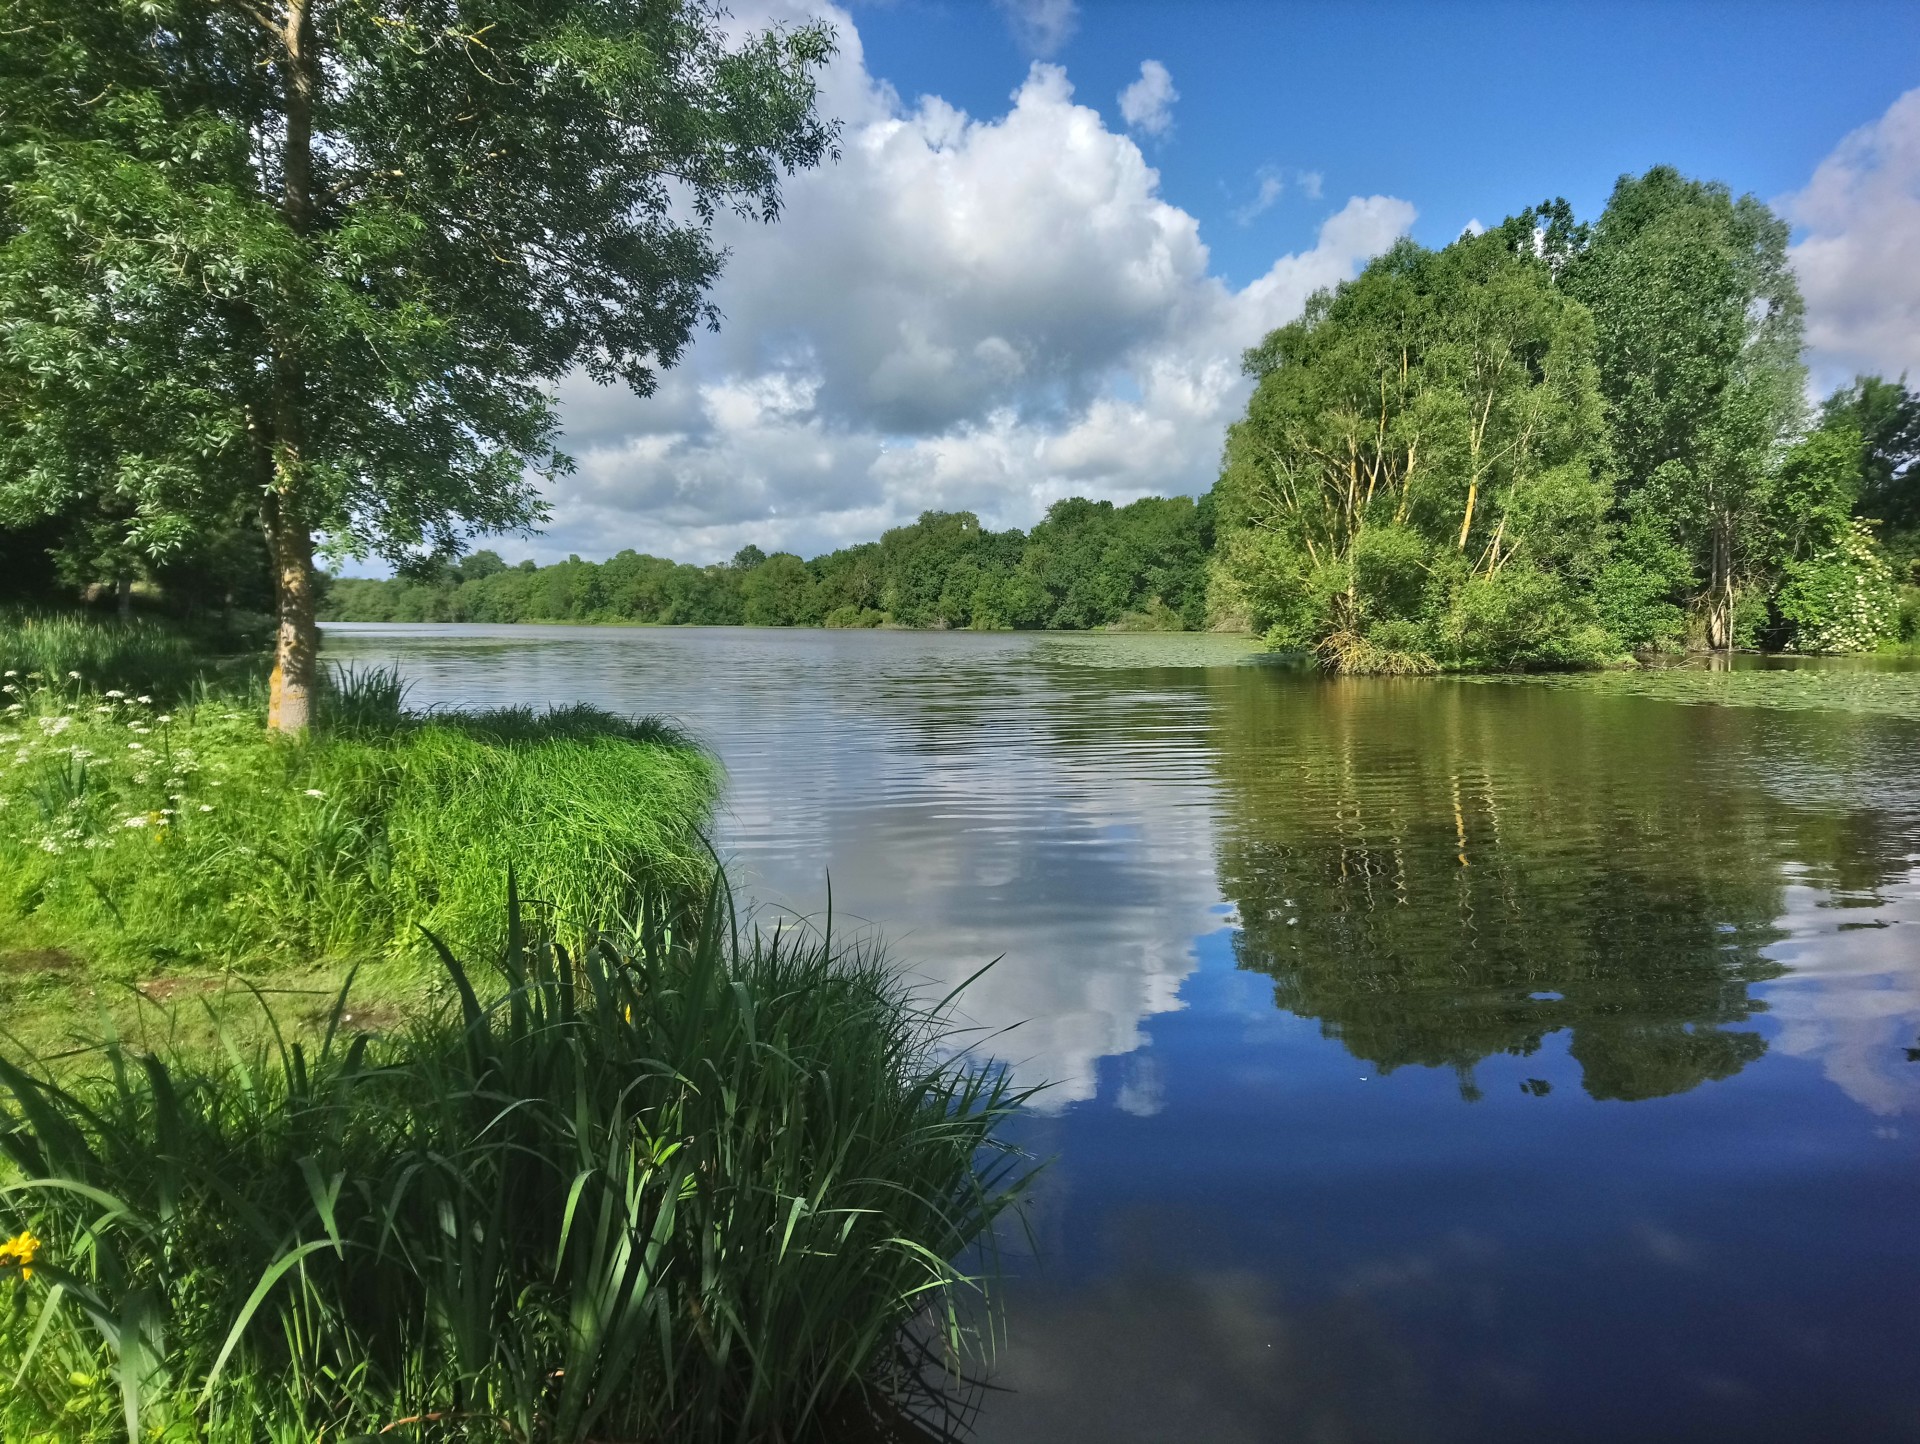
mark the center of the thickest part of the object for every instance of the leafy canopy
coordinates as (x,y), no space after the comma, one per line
(500,192)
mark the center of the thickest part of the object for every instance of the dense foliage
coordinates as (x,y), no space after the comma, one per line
(1552,443)
(322,260)
(1088,564)
(693,1184)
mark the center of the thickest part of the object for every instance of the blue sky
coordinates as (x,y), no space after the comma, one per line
(1468,110)
(1055,226)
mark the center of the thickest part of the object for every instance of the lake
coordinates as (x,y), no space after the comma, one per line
(1453,1060)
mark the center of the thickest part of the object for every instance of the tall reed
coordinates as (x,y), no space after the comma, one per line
(695,1183)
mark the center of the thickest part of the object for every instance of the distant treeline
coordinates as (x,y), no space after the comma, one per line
(1088,564)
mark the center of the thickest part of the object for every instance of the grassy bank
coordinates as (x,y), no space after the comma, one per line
(140,834)
(688,1186)
(674,1181)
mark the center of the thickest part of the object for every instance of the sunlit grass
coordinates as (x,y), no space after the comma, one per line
(143,835)
(687,1185)
(138,655)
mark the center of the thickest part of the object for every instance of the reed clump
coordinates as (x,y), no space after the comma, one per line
(692,1183)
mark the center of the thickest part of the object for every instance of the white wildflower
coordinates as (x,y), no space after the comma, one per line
(73,676)
(206,807)
(137,820)
(116,692)
(315,792)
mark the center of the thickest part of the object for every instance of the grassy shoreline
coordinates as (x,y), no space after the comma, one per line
(695,1184)
(139,834)
(275,1165)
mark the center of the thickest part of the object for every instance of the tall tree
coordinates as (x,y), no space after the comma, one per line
(334,254)
(1886,414)
(1697,320)
(1414,476)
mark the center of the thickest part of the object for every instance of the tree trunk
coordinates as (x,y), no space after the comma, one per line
(296,651)
(123,597)
(1720,587)
(289,537)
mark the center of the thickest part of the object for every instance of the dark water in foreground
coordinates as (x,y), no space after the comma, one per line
(1435,1060)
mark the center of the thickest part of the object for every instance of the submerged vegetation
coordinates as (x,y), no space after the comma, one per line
(689,1184)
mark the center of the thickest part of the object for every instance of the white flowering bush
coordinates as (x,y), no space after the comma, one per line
(1843,599)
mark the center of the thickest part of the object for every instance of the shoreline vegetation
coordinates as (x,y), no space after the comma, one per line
(1557,442)
(691,1183)
(436,1084)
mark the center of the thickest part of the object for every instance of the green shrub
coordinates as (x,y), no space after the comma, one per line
(688,1185)
(1906,621)
(1519,619)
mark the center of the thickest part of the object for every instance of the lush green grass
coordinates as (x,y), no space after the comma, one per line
(160,659)
(686,1186)
(140,836)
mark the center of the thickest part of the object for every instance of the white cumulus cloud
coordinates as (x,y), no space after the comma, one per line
(980,313)
(1147,104)
(1859,254)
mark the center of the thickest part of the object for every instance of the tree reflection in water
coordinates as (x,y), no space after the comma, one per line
(1443,872)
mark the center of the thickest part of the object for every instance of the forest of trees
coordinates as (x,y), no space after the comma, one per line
(1088,564)
(1555,442)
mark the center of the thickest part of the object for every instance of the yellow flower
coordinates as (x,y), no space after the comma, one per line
(18,1252)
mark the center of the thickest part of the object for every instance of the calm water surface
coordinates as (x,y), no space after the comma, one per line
(1431,1060)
